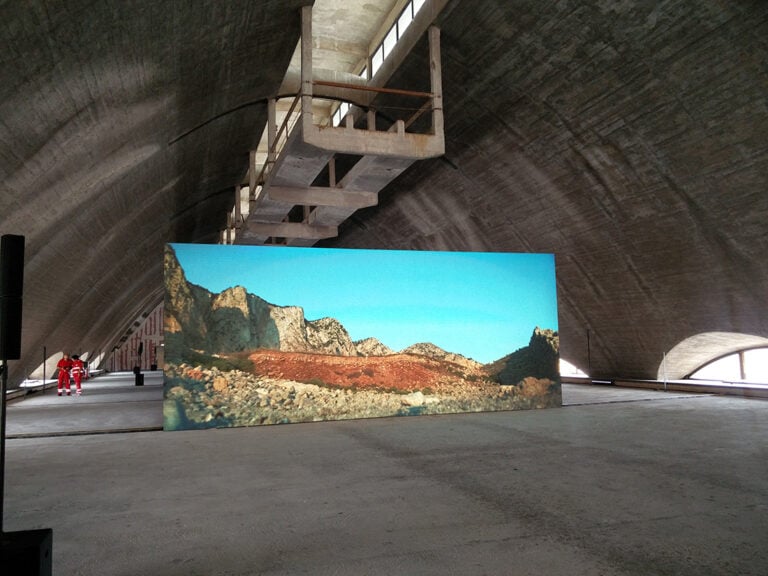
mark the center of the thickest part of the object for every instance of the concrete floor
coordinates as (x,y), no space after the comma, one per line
(109,402)
(617,482)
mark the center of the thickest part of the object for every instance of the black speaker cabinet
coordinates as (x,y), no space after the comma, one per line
(27,553)
(11,289)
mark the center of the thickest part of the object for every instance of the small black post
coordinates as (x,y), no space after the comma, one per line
(3,383)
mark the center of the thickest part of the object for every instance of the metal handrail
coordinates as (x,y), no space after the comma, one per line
(276,146)
(397,91)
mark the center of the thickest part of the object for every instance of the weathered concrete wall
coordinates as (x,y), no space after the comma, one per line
(626,137)
(124,126)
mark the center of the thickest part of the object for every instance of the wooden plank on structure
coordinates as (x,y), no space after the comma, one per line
(293,230)
(322,196)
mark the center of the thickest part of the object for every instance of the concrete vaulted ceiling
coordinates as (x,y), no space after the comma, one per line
(628,138)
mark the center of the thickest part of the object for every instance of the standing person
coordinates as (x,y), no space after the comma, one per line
(64,365)
(78,369)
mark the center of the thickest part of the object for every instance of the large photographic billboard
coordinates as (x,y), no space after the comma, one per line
(267,334)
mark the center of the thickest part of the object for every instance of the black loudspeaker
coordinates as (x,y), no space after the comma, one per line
(27,553)
(11,289)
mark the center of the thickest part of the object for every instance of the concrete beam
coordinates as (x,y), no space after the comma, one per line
(364,142)
(319,196)
(293,230)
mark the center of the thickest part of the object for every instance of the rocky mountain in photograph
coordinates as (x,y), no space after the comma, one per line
(372,347)
(185,305)
(430,350)
(537,360)
(234,321)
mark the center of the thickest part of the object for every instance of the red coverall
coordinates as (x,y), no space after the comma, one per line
(64,365)
(78,369)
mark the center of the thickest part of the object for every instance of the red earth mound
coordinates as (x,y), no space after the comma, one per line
(407,372)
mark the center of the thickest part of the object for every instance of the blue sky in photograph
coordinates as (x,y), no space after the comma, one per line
(482,305)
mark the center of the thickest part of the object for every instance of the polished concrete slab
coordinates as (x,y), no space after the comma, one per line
(656,483)
(112,402)
(109,402)
(575,394)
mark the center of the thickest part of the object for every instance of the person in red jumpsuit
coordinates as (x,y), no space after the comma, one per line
(77,370)
(64,366)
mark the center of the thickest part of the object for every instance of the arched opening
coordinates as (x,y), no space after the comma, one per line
(568,369)
(47,368)
(701,350)
(97,361)
(45,371)
(748,366)
(141,345)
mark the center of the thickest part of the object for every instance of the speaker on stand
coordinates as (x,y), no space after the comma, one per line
(11,290)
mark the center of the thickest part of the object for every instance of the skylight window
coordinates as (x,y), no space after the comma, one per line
(389,41)
(340,113)
(405,19)
(377,60)
(745,366)
(395,33)
(382,51)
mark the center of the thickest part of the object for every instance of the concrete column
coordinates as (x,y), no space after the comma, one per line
(332,172)
(252,175)
(436,80)
(271,129)
(306,64)
(238,207)
(742,367)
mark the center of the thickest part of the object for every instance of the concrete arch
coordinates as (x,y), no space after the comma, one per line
(696,351)
(568,368)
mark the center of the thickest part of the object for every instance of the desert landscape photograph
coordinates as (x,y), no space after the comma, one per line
(276,335)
